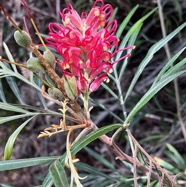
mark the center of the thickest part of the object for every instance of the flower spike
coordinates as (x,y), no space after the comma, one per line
(85,43)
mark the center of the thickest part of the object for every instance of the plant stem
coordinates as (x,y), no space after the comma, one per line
(118,84)
(118,131)
(15,63)
(175,81)
(134,160)
(123,156)
(85,102)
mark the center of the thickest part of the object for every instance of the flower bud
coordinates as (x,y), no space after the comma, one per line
(56,93)
(34,65)
(49,57)
(22,38)
(70,87)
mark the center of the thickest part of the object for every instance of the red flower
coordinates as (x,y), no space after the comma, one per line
(84,42)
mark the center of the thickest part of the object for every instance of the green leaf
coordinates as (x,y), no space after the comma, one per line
(10,57)
(39,84)
(91,137)
(58,174)
(5,72)
(125,21)
(150,55)
(129,38)
(87,168)
(11,118)
(130,43)
(165,164)
(15,89)
(99,158)
(176,157)
(84,142)
(168,65)
(2,95)
(150,93)
(47,181)
(109,90)
(106,109)
(131,31)
(174,68)
(10,80)
(10,107)
(12,138)
(23,163)
(38,109)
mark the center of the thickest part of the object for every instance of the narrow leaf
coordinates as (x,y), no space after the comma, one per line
(174,68)
(10,107)
(10,80)
(125,21)
(109,90)
(150,93)
(22,163)
(176,157)
(2,95)
(87,168)
(168,65)
(150,55)
(10,57)
(39,83)
(130,43)
(11,118)
(15,89)
(8,72)
(165,164)
(58,174)
(91,137)
(99,158)
(131,31)
(12,138)
(47,181)
(84,142)
(106,109)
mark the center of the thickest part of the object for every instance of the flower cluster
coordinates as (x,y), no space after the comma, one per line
(85,42)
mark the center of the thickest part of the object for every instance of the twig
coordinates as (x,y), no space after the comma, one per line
(168,179)
(121,155)
(149,174)
(134,164)
(57,10)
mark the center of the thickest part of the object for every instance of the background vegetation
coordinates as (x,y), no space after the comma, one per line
(156,126)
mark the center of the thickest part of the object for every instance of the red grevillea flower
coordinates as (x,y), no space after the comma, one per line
(84,42)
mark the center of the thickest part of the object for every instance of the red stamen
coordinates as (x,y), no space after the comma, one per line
(85,42)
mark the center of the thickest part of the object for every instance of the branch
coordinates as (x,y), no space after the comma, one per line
(124,157)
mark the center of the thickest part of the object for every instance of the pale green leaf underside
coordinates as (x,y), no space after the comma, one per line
(12,138)
(58,174)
